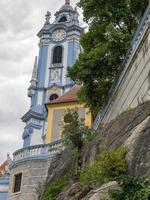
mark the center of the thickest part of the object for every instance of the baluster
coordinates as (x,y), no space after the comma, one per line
(25,153)
(30,152)
(43,150)
(35,151)
(39,151)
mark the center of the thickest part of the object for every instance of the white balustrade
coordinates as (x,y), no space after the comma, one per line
(38,150)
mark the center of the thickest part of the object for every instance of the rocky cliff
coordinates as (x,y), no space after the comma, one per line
(131,129)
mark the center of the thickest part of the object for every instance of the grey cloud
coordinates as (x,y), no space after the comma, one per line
(13,51)
(13,98)
(10,139)
(17,60)
(21,15)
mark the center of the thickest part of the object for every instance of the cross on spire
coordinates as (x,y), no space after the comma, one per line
(67,2)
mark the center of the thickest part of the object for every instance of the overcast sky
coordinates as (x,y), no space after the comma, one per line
(20,21)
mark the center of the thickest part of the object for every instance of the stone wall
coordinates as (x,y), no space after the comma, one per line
(34,173)
(134,87)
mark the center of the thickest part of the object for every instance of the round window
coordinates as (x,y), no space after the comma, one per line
(67,118)
(53,97)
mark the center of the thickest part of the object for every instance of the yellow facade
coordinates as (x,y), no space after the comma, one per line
(59,106)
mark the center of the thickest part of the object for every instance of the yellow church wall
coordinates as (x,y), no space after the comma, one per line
(54,107)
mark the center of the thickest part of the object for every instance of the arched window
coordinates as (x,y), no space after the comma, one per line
(53,97)
(63,19)
(57,55)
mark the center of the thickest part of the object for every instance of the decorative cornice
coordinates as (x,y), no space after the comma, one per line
(33,114)
(55,85)
(44,41)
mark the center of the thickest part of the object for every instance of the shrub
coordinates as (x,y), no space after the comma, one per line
(55,188)
(74,130)
(107,166)
(75,133)
(90,137)
(132,189)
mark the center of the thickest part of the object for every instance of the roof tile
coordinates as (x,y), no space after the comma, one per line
(70,96)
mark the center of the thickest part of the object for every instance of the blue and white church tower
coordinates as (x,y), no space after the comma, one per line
(59,47)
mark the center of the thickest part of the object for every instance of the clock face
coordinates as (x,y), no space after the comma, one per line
(55,75)
(58,35)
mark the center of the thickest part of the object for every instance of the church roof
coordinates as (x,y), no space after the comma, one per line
(5,166)
(70,96)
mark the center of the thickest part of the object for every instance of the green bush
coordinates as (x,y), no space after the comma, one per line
(107,166)
(55,188)
(90,137)
(132,189)
(74,130)
(115,194)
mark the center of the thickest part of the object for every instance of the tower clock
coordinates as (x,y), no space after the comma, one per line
(59,35)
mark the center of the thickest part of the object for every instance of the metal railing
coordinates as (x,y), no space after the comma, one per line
(38,151)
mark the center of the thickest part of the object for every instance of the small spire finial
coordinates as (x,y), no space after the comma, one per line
(34,74)
(67,2)
(48,16)
(8,155)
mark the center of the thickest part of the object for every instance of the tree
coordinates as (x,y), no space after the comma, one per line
(75,133)
(75,129)
(112,24)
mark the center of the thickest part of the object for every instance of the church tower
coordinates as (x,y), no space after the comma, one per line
(59,47)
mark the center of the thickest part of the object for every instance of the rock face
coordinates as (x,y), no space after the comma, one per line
(131,129)
(120,129)
(138,145)
(60,165)
(74,192)
(102,192)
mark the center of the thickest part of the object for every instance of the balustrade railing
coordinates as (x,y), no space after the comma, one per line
(38,150)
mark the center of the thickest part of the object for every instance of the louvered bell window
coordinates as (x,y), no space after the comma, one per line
(57,55)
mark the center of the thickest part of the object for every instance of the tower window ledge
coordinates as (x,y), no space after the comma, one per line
(57,65)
